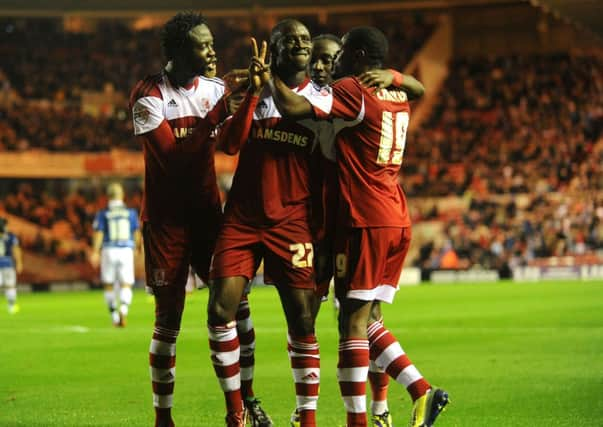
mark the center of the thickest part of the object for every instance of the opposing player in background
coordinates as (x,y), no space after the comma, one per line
(174,114)
(116,237)
(267,217)
(372,242)
(11,264)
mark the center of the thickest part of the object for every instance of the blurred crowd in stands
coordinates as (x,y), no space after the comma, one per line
(509,126)
(65,208)
(505,232)
(518,138)
(42,90)
(51,128)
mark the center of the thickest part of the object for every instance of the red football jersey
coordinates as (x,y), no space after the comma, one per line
(369,149)
(180,178)
(272,182)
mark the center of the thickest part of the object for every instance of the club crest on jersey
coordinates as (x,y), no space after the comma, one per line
(205,105)
(262,106)
(159,277)
(321,90)
(140,114)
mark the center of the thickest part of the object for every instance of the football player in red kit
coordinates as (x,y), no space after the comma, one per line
(174,113)
(374,233)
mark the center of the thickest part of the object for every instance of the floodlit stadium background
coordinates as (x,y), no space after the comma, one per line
(503,168)
(502,165)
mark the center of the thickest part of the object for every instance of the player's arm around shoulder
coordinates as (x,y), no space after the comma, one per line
(380,79)
(289,103)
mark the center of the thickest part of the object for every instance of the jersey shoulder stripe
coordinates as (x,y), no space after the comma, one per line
(149,86)
(213,80)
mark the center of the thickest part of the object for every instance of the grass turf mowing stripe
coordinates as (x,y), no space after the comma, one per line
(509,354)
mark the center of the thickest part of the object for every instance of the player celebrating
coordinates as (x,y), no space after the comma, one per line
(11,264)
(255,413)
(372,244)
(116,235)
(325,48)
(267,217)
(174,113)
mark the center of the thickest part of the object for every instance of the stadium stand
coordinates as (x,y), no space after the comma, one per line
(519,137)
(504,168)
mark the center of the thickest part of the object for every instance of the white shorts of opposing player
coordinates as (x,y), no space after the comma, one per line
(117,269)
(8,281)
(117,265)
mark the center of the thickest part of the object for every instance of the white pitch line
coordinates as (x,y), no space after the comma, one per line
(78,328)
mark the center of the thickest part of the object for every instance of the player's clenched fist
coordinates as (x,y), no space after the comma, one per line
(235,79)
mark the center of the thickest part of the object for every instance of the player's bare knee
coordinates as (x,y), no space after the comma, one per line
(219,311)
(303,324)
(219,314)
(375,315)
(169,319)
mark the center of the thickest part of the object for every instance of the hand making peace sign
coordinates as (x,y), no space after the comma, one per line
(259,70)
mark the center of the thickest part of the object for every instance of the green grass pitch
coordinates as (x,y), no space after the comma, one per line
(509,354)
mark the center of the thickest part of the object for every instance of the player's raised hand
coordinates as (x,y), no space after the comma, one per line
(376,78)
(236,79)
(259,70)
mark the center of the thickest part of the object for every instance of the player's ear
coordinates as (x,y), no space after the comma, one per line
(360,54)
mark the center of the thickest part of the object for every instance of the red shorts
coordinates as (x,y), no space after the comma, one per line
(368,262)
(285,248)
(169,251)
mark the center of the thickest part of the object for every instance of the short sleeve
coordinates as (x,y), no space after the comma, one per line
(345,101)
(99,222)
(147,114)
(134,220)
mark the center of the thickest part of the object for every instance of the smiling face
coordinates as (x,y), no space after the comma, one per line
(292,48)
(201,57)
(324,52)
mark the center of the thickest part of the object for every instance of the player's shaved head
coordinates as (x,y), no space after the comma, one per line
(372,41)
(281,27)
(328,37)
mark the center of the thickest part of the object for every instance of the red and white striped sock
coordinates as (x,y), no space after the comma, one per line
(162,361)
(304,355)
(225,352)
(352,371)
(247,342)
(379,381)
(389,355)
